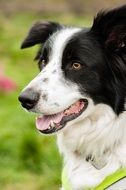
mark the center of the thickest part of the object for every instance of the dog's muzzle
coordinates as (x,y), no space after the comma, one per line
(29,98)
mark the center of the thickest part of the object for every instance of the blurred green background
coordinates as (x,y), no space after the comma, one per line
(29,160)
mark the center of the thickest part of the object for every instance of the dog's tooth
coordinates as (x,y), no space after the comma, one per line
(52,124)
(39,117)
(49,127)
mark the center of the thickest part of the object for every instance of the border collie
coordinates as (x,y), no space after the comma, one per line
(80,94)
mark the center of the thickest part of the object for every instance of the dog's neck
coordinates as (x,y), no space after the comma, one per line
(95,145)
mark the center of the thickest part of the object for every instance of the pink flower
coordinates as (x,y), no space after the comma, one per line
(6,84)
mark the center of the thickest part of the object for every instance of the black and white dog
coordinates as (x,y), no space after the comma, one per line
(80,94)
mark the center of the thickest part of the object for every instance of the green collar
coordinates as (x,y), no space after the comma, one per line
(119,174)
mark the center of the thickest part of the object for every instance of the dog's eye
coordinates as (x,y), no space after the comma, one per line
(76,66)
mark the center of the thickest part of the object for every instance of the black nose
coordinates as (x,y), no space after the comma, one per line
(28,98)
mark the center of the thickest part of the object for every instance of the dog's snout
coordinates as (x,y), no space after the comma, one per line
(29,98)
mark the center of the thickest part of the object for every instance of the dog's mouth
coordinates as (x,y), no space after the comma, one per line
(48,124)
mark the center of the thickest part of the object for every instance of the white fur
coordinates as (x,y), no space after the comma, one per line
(101,134)
(98,132)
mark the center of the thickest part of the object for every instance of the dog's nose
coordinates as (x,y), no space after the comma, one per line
(28,98)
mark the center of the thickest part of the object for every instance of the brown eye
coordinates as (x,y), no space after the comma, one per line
(76,66)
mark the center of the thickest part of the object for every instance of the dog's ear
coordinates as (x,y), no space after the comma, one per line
(110,28)
(39,33)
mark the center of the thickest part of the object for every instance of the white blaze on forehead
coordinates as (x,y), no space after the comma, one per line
(59,41)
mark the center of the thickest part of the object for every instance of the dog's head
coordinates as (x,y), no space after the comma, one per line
(79,69)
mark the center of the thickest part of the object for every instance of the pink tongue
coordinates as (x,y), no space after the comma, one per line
(43,123)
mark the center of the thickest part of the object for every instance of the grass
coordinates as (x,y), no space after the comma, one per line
(27,159)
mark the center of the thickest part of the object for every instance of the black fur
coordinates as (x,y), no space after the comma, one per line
(102,54)
(39,33)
